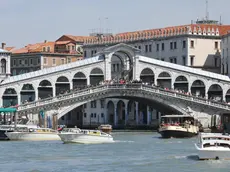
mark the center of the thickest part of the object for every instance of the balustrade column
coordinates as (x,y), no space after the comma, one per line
(137,116)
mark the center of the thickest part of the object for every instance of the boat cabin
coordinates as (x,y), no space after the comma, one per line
(177,120)
(209,140)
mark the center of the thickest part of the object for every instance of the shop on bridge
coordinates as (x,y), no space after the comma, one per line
(147,76)
(198,88)
(79,80)
(181,83)
(164,80)
(45,89)
(10,97)
(62,85)
(96,76)
(27,93)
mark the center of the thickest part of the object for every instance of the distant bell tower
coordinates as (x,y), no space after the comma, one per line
(5,57)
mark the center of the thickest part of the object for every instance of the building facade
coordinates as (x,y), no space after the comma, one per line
(225,60)
(195,45)
(4,62)
(38,56)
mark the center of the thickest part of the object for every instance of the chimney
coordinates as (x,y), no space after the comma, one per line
(3,45)
(45,41)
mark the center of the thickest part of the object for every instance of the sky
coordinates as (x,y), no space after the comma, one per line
(30,21)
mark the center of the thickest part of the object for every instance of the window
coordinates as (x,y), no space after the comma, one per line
(69,60)
(184,60)
(114,67)
(85,53)
(171,45)
(216,45)
(175,60)
(171,60)
(226,68)
(162,59)
(91,115)
(95,51)
(146,48)
(192,44)
(175,45)
(25,61)
(14,62)
(38,60)
(157,47)
(62,61)
(73,47)
(44,49)
(94,104)
(215,62)
(139,47)
(162,46)
(118,68)
(85,115)
(54,61)
(102,115)
(20,61)
(48,49)
(150,48)
(31,61)
(102,103)
(184,44)
(92,53)
(95,115)
(135,46)
(191,60)
(45,61)
(85,105)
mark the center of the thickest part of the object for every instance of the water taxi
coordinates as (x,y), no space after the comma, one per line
(178,126)
(11,128)
(33,134)
(105,128)
(213,146)
(76,135)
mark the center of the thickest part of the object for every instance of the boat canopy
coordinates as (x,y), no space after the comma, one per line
(8,110)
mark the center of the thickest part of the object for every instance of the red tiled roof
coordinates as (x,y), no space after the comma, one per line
(38,47)
(211,29)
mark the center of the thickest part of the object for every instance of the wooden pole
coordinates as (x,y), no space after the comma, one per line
(54,121)
(15,119)
(45,120)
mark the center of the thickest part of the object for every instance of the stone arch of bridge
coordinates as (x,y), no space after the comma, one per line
(45,89)
(62,85)
(161,105)
(96,76)
(121,59)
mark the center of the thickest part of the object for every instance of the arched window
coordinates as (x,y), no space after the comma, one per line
(3,66)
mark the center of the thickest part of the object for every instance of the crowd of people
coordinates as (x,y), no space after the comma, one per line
(123,81)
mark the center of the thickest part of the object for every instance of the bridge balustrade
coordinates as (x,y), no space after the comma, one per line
(139,86)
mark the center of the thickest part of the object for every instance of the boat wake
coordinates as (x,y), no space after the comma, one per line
(123,141)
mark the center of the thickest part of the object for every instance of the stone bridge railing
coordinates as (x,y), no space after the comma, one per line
(122,87)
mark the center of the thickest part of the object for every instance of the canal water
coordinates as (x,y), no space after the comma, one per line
(134,152)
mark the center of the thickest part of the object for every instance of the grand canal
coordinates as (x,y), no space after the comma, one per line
(136,152)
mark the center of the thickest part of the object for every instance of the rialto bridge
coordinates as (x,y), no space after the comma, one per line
(58,90)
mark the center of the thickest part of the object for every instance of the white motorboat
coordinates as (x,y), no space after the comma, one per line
(76,135)
(11,128)
(178,126)
(213,146)
(33,134)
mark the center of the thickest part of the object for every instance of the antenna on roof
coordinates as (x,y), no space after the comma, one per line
(206,13)
(220,20)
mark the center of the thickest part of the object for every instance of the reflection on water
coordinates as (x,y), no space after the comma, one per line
(136,152)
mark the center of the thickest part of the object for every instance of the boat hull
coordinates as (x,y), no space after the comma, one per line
(32,136)
(84,139)
(176,134)
(213,153)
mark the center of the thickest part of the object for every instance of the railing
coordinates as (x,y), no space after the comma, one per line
(119,87)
